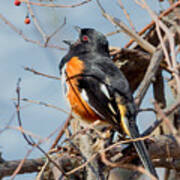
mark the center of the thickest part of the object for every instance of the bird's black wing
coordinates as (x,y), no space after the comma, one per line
(107,91)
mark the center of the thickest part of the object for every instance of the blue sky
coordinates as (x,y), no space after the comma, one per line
(16,53)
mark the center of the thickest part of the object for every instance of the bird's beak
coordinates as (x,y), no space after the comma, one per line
(77,28)
(69,43)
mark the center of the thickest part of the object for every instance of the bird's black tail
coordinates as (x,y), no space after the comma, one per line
(141,148)
(133,132)
(144,157)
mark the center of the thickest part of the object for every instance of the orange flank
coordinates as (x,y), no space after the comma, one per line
(79,106)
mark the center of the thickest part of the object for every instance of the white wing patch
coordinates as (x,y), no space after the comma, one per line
(105,91)
(63,80)
(112,109)
(85,97)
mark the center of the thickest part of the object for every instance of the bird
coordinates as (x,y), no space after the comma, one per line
(97,90)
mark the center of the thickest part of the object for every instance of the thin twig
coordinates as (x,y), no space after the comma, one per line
(40,173)
(36,22)
(43,104)
(20,33)
(19,167)
(127,15)
(165,119)
(41,74)
(113,33)
(8,123)
(61,132)
(58,29)
(57,5)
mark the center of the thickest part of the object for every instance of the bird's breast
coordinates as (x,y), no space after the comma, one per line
(71,74)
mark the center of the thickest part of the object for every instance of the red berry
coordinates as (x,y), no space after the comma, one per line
(17,3)
(27,20)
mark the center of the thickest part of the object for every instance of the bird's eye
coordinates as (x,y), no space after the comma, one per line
(85,38)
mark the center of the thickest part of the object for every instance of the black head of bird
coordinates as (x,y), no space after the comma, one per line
(90,40)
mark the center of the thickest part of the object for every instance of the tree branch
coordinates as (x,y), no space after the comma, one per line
(29,166)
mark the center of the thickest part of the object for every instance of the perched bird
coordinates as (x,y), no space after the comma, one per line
(97,90)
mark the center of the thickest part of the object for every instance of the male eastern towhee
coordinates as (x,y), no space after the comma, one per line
(97,90)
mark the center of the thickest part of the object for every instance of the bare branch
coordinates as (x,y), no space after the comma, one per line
(52,5)
(20,33)
(41,74)
(29,166)
(150,74)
